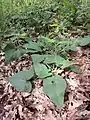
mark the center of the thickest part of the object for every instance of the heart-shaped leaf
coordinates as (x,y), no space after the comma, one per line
(49,59)
(83,41)
(71,48)
(9,50)
(36,58)
(66,64)
(21,80)
(75,69)
(41,70)
(32,46)
(58,60)
(55,87)
(11,53)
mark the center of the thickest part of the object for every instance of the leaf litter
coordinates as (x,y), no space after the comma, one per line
(16,105)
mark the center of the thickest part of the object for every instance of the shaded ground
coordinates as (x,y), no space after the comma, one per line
(36,105)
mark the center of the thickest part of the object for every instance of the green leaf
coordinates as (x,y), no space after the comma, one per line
(41,70)
(23,35)
(55,87)
(21,80)
(66,64)
(18,53)
(72,48)
(9,51)
(36,58)
(54,25)
(75,69)
(49,59)
(31,51)
(32,46)
(47,40)
(83,41)
(58,60)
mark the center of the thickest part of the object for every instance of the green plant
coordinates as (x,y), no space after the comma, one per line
(44,61)
(47,54)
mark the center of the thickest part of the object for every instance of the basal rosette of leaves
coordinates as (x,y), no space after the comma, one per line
(46,54)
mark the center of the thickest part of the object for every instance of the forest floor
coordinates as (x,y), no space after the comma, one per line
(16,105)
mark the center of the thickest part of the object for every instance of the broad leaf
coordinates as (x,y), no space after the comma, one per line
(18,53)
(58,60)
(32,46)
(75,69)
(11,53)
(83,41)
(66,64)
(36,58)
(71,48)
(21,80)
(55,87)
(41,70)
(49,59)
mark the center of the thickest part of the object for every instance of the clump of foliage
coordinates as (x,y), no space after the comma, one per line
(47,54)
